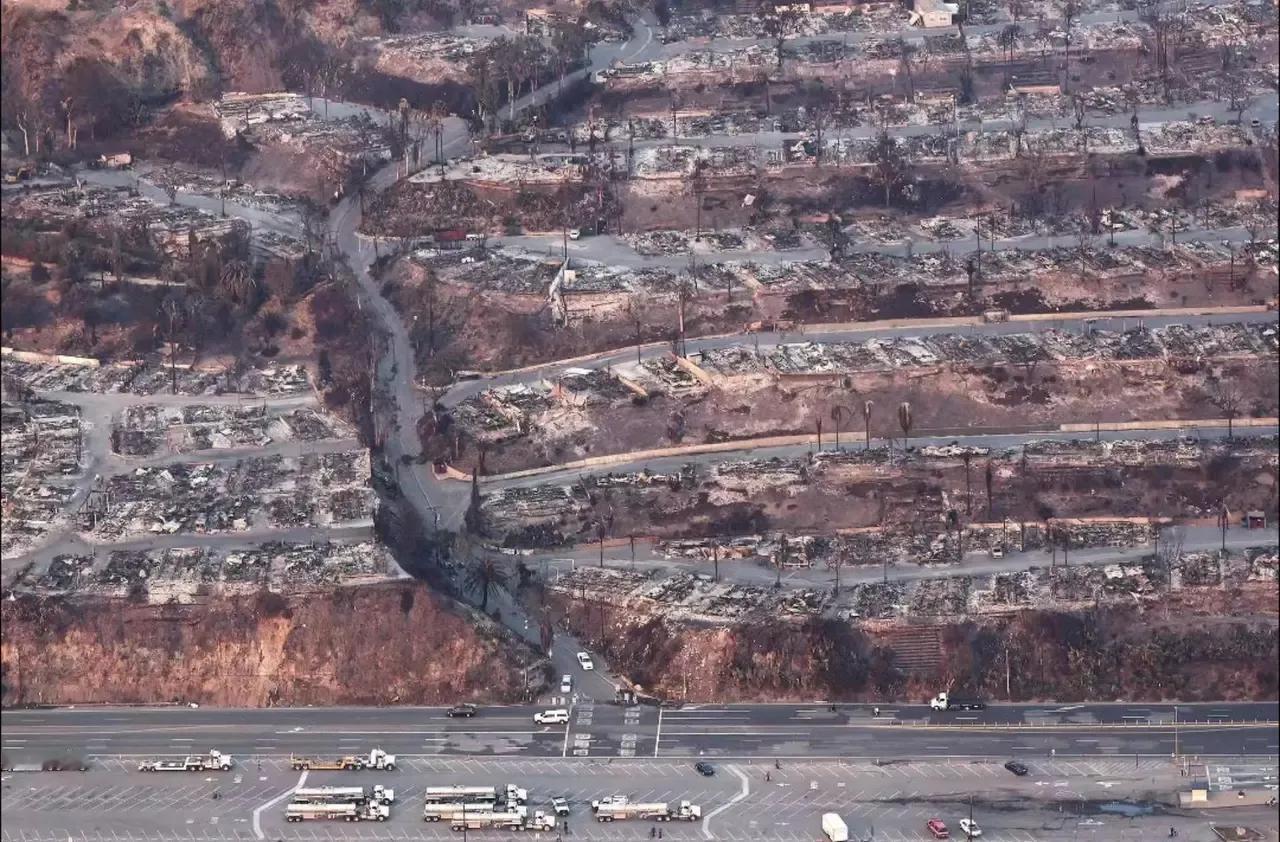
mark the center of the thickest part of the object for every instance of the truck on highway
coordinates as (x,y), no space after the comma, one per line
(511,794)
(353,794)
(375,759)
(945,701)
(834,827)
(490,820)
(655,811)
(446,811)
(342,810)
(213,761)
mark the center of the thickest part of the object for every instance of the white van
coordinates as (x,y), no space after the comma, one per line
(555,716)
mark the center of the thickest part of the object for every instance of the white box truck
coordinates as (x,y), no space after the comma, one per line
(834,827)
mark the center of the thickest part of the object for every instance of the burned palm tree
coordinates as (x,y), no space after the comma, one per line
(906,422)
(840,415)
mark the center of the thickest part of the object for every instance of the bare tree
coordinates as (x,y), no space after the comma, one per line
(1169,551)
(888,163)
(1227,396)
(167,179)
(778,24)
(866,424)
(1166,18)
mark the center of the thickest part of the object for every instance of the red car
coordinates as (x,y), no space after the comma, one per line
(939,829)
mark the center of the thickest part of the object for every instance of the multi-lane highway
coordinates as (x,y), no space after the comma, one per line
(598,729)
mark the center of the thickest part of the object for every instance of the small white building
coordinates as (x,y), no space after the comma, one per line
(931,13)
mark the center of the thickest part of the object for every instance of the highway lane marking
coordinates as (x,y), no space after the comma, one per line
(742,794)
(257,813)
(657,739)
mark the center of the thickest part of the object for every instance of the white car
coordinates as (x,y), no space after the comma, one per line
(575,233)
(584,661)
(560,806)
(555,716)
(970,828)
(566,683)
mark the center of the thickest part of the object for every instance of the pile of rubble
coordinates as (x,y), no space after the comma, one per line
(153,378)
(1175,342)
(41,453)
(288,120)
(172,227)
(546,168)
(148,429)
(183,573)
(698,597)
(235,495)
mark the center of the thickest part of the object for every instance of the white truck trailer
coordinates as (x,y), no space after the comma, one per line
(213,761)
(444,812)
(335,794)
(511,793)
(490,820)
(334,811)
(654,811)
(834,827)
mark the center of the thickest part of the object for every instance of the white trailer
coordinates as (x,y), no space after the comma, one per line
(353,794)
(510,793)
(333,811)
(444,812)
(654,811)
(834,827)
(461,795)
(492,820)
(213,761)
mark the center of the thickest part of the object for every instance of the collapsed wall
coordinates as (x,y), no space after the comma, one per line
(397,643)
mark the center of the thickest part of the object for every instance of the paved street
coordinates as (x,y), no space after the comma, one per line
(601,729)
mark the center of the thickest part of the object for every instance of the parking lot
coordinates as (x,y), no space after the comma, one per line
(740,801)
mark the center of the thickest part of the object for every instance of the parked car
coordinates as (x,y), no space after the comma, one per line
(465,709)
(1019,769)
(584,661)
(938,828)
(555,716)
(970,828)
(704,768)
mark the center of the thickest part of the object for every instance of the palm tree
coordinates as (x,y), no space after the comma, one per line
(484,575)
(238,282)
(906,422)
(866,423)
(840,415)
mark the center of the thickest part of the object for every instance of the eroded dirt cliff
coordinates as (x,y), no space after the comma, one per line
(1227,650)
(398,643)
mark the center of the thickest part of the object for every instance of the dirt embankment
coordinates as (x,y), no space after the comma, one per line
(1106,653)
(387,644)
